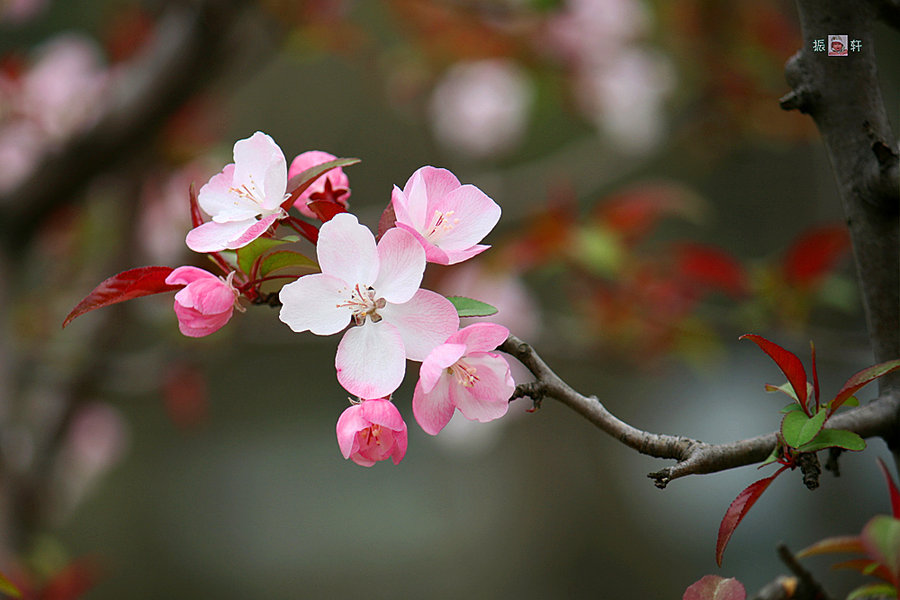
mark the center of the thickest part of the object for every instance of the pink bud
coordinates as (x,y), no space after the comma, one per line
(371,431)
(206,302)
(333,186)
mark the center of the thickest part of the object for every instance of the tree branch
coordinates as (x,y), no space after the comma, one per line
(191,43)
(843,97)
(694,457)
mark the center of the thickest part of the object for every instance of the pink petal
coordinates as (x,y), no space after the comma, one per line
(440,358)
(192,323)
(255,230)
(215,237)
(209,296)
(433,410)
(312,303)
(433,254)
(424,322)
(218,199)
(187,274)
(384,413)
(349,424)
(400,204)
(401,265)
(416,201)
(474,216)
(370,360)
(458,256)
(259,164)
(347,250)
(308,160)
(480,337)
(438,184)
(489,398)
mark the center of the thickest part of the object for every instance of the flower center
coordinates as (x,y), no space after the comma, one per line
(372,435)
(465,375)
(440,224)
(363,304)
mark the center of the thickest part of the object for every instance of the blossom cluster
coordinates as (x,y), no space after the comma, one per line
(366,288)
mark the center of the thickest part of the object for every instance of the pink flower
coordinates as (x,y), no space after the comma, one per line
(371,431)
(463,373)
(206,302)
(244,200)
(447,218)
(377,287)
(333,186)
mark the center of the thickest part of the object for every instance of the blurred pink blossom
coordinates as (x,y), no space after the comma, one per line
(333,186)
(206,302)
(64,90)
(517,309)
(481,108)
(371,431)
(19,11)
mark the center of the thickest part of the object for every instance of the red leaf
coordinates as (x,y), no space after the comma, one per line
(862,379)
(892,488)
(73,581)
(635,211)
(711,268)
(196,215)
(134,283)
(844,543)
(736,511)
(713,587)
(387,220)
(325,209)
(788,362)
(814,254)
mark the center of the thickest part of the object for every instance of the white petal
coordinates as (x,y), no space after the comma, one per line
(425,322)
(370,360)
(346,250)
(259,165)
(401,266)
(313,303)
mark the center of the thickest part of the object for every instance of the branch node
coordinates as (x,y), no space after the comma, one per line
(800,99)
(661,478)
(809,466)
(832,463)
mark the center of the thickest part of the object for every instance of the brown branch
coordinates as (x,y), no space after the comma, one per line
(843,97)
(802,586)
(694,457)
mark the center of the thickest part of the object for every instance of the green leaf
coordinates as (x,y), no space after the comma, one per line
(873,590)
(834,438)
(881,538)
(247,255)
(793,406)
(283,259)
(8,588)
(467,307)
(798,429)
(784,388)
(773,456)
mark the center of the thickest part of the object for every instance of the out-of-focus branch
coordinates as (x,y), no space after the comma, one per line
(694,457)
(801,586)
(842,95)
(192,41)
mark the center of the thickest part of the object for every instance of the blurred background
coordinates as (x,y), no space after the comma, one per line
(657,203)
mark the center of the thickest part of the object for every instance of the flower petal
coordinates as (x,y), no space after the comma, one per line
(440,358)
(384,413)
(218,199)
(193,323)
(424,322)
(489,398)
(370,360)
(260,168)
(438,185)
(474,216)
(347,250)
(215,237)
(187,274)
(401,266)
(434,409)
(313,303)
(480,337)
(349,424)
